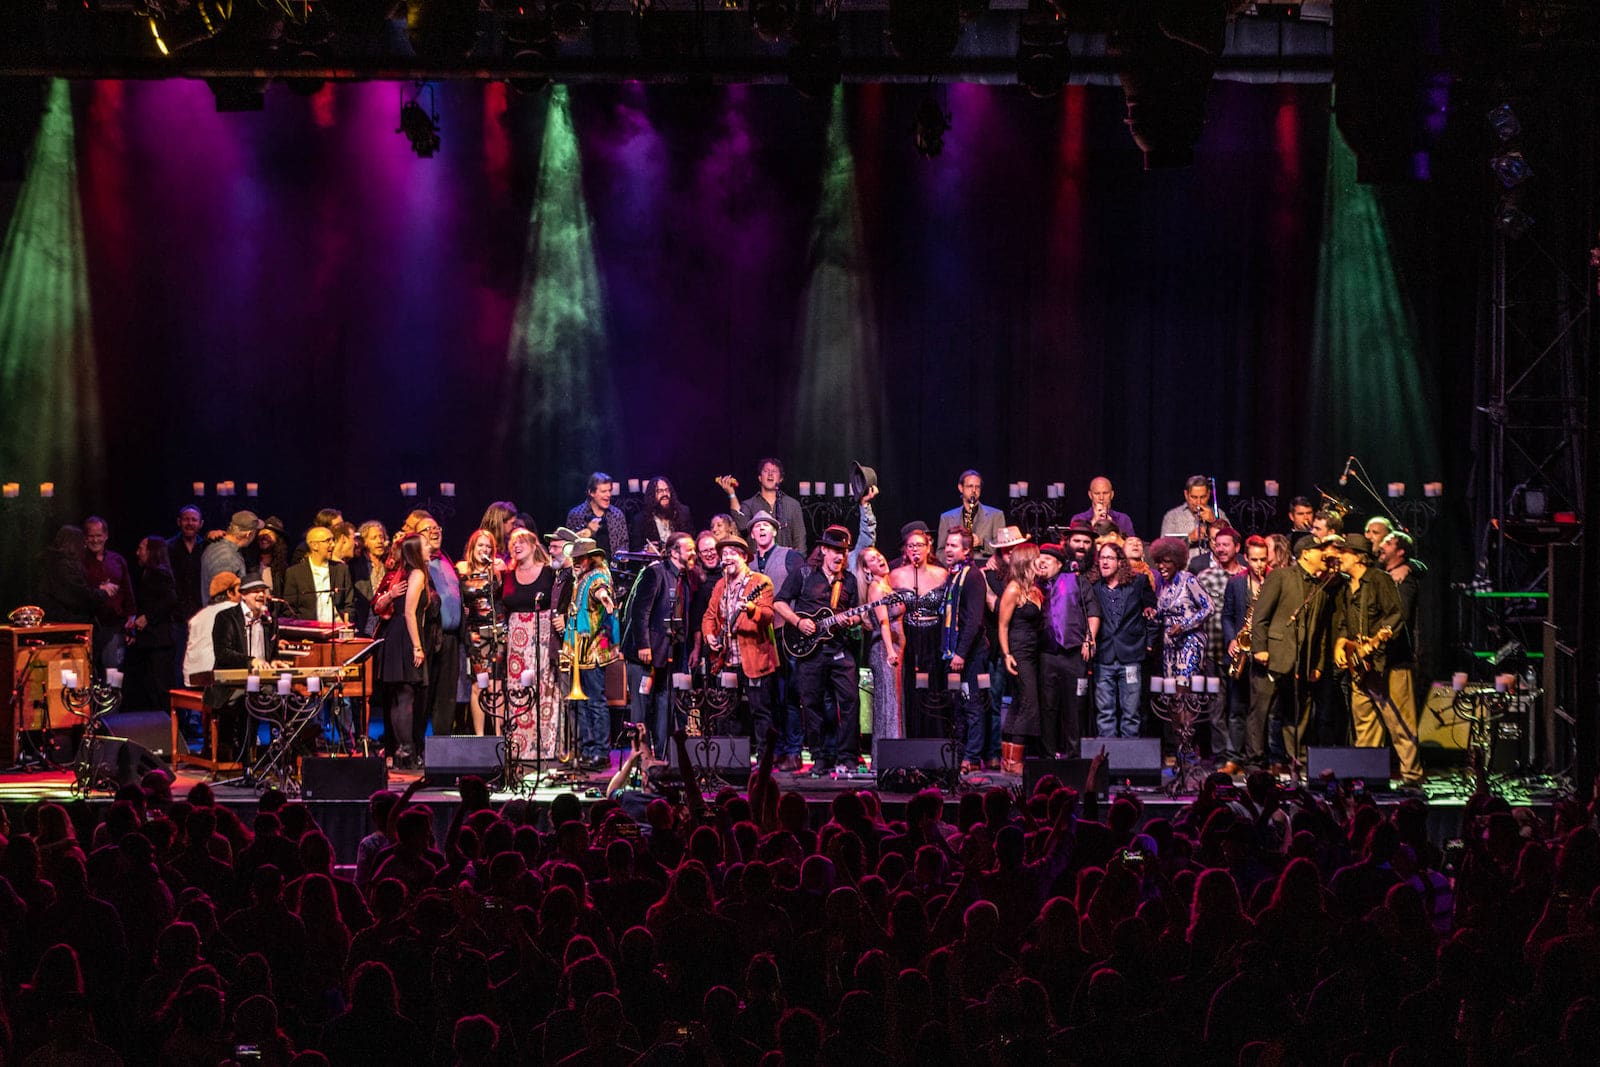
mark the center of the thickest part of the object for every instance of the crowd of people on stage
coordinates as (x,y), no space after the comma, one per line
(970,630)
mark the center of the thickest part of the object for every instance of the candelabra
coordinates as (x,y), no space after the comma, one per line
(1035,517)
(1185,703)
(92,703)
(1418,514)
(287,714)
(822,512)
(703,700)
(1253,514)
(515,703)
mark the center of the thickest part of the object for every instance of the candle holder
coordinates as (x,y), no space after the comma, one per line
(287,715)
(822,512)
(704,707)
(1417,513)
(1185,709)
(1252,514)
(91,703)
(516,706)
(1035,516)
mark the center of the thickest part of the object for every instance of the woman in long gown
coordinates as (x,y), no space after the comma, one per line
(531,648)
(924,580)
(885,643)
(1021,621)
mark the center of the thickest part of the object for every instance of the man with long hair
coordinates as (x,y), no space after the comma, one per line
(662,516)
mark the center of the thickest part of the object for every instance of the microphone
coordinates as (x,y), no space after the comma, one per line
(1345,477)
(538,599)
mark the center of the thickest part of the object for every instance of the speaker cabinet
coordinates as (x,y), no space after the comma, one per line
(451,757)
(1135,760)
(1071,772)
(1370,765)
(343,777)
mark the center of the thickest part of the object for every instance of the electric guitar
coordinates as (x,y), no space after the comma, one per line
(1358,652)
(800,645)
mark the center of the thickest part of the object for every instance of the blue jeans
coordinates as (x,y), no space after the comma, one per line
(982,720)
(1116,698)
(654,709)
(594,718)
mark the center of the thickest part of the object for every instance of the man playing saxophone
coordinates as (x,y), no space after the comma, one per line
(1247,737)
(738,630)
(590,643)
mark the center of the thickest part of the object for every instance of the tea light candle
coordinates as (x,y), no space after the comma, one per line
(1155,684)
(252,684)
(805,488)
(1061,489)
(199,488)
(47,489)
(1233,488)
(838,489)
(922,679)
(1169,686)
(314,684)
(1050,491)
(252,488)
(983,681)
(679,680)
(113,678)
(483,679)
(633,485)
(953,680)
(1022,488)
(1011,488)
(729,680)
(447,488)
(616,487)
(525,679)
(819,486)
(408,488)
(1213,685)
(69,679)
(1431,489)
(1271,488)
(1397,489)
(284,684)
(1458,681)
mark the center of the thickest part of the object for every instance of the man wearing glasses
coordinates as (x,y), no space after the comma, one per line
(444,664)
(318,587)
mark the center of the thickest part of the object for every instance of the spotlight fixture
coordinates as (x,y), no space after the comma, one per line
(1511,220)
(187,26)
(1505,123)
(932,123)
(419,124)
(1511,168)
(239,94)
(771,19)
(1043,59)
(569,19)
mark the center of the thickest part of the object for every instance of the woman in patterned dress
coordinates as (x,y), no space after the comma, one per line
(531,649)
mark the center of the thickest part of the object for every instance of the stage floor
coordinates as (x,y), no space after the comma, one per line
(345,820)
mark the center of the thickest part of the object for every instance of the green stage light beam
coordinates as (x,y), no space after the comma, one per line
(48,374)
(839,415)
(560,403)
(1373,398)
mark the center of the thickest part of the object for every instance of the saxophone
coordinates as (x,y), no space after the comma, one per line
(1241,655)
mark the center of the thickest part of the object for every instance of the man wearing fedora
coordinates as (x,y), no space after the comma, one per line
(1293,628)
(737,628)
(1381,697)
(244,637)
(827,678)
(978,518)
(996,572)
(1072,626)
(771,558)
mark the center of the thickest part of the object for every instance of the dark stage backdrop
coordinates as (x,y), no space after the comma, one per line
(682,279)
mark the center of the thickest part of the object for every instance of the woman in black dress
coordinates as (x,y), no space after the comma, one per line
(150,648)
(409,635)
(1021,620)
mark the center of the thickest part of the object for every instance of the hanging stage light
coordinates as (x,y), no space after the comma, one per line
(1511,168)
(1043,59)
(1505,123)
(420,125)
(932,123)
(200,21)
(442,29)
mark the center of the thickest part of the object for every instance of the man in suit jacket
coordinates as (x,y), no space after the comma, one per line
(654,635)
(662,516)
(983,521)
(1293,639)
(319,587)
(242,638)
(742,605)
(1247,737)
(965,643)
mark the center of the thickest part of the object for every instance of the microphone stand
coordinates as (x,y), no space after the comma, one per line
(1302,670)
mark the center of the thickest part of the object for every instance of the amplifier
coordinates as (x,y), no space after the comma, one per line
(31,661)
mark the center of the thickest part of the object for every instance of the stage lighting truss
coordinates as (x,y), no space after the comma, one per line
(419,124)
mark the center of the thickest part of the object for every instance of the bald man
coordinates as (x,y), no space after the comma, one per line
(1100,496)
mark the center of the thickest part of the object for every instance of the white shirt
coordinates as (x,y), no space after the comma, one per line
(324,588)
(199,655)
(255,633)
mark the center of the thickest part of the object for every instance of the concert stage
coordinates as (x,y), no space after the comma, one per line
(345,821)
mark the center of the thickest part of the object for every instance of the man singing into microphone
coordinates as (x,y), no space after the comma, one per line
(1101,494)
(1195,518)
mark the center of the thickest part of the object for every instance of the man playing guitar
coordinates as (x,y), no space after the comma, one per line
(737,628)
(1370,632)
(835,734)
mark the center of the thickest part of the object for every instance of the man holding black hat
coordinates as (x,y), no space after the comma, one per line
(1293,627)
(1371,629)
(830,671)
(738,629)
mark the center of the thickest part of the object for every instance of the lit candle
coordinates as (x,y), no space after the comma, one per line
(1061,489)
(199,488)
(252,684)
(1022,488)
(252,488)
(1011,487)
(1271,488)
(983,681)
(922,679)
(1432,488)
(680,680)
(314,684)
(728,680)
(69,679)
(616,487)
(1155,684)
(1169,686)
(222,488)
(12,490)
(819,487)
(1502,682)
(952,680)
(483,679)
(1397,489)
(285,681)
(47,489)
(1458,681)
(1233,488)
(1213,685)
(633,485)
(229,487)
(447,488)
(113,678)
(838,489)
(1050,491)
(526,679)
(805,488)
